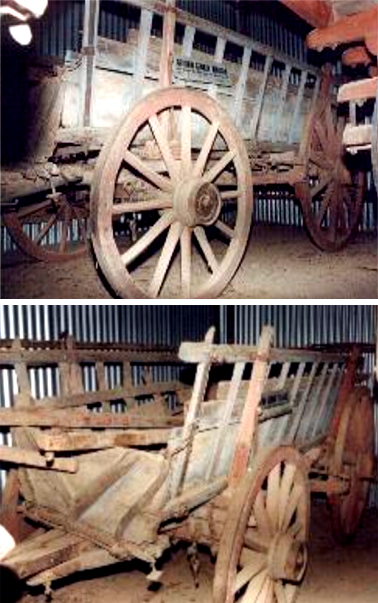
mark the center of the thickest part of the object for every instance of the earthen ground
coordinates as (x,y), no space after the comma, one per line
(279,263)
(335,574)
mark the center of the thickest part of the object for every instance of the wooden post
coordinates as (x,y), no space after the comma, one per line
(165,70)
(246,433)
(141,52)
(91,17)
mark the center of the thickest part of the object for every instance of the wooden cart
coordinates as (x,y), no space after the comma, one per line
(74,392)
(236,477)
(172,188)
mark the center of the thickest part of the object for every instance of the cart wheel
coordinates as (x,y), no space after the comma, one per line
(263,554)
(353,456)
(171,199)
(333,192)
(51,230)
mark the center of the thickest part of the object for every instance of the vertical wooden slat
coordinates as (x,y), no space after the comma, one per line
(91,17)
(302,405)
(245,438)
(240,86)
(218,59)
(188,431)
(187,43)
(260,98)
(298,104)
(141,54)
(226,417)
(165,68)
(277,126)
(323,401)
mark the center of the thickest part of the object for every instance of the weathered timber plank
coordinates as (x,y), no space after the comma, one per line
(41,417)
(193,497)
(109,395)
(223,353)
(73,441)
(48,554)
(30,458)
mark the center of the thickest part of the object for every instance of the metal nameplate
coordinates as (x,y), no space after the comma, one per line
(207,72)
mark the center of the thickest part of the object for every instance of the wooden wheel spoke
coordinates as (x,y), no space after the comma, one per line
(252,565)
(225,229)
(262,519)
(272,495)
(256,541)
(186,261)
(65,227)
(321,135)
(163,145)
(280,593)
(343,226)
(43,232)
(205,246)
(147,172)
(24,212)
(333,216)
(161,202)
(186,140)
(325,181)
(324,205)
(234,194)
(165,258)
(267,591)
(83,233)
(205,151)
(219,166)
(320,160)
(285,489)
(253,592)
(145,241)
(295,497)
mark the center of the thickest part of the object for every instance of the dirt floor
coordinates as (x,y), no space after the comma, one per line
(279,263)
(335,574)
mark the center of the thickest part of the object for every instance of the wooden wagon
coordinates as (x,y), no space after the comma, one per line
(172,189)
(236,476)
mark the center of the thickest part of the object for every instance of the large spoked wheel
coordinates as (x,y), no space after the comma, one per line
(52,229)
(171,199)
(332,193)
(353,458)
(263,554)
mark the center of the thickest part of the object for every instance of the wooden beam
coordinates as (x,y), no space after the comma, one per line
(246,433)
(356,55)
(29,458)
(91,17)
(353,28)
(359,90)
(317,13)
(76,441)
(109,395)
(78,419)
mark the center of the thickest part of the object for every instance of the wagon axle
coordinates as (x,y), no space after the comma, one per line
(196,202)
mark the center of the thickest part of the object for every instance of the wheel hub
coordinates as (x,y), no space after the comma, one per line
(287,558)
(196,202)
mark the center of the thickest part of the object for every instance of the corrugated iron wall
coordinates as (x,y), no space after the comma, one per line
(300,326)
